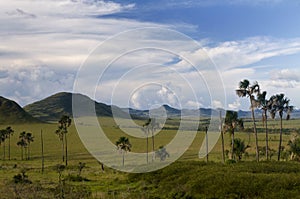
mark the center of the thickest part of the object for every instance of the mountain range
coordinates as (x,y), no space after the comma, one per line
(53,107)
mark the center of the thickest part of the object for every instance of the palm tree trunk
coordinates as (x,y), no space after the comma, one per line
(28,155)
(280,139)
(232,144)
(206,143)
(66,145)
(21,152)
(223,149)
(147,146)
(255,131)
(25,153)
(4,150)
(63,148)
(267,136)
(123,160)
(8,146)
(42,150)
(153,157)
(222,138)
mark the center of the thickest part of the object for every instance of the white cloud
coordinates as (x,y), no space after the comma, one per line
(217,104)
(62,8)
(235,105)
(291,75)
(23,84)
(233,54)
(44,42)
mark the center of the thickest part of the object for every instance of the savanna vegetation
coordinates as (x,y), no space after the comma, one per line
(253,158)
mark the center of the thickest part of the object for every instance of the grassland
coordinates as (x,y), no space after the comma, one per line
(188,177)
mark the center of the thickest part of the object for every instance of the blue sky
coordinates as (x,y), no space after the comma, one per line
(46,44)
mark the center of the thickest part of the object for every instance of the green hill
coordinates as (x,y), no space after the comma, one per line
(12,113)
(53,107)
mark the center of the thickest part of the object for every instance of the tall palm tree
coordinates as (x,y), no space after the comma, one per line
(28,138)
(265,105)
(9,132)
(232,122)
(146,130)
(22,143)
(62,130)
(248,90)
(153,126)
(3,137)
(280,104)
(123,145)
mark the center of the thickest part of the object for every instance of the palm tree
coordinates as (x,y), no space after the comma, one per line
(280,104)
(232,122)
(3,137)
(265,105)
(146,130)
(123,145)
(222,137)
(28,138)
(247,90)
(9,132)
(153,126)
(62,131)
(22,143)
(239,148)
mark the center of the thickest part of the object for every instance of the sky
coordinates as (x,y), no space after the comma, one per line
(142,54)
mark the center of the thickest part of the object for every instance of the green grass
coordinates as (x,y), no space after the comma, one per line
(188,176)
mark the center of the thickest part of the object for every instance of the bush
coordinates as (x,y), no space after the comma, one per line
(76,178)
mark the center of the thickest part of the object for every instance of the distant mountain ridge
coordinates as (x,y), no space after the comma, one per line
(13,113)
(54,106)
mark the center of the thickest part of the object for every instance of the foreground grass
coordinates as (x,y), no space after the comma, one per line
(182,179)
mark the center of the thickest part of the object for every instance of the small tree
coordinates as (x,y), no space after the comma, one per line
(232,122)
(123,145)
(81,166)
(162,153)
(239,148)
(294,145)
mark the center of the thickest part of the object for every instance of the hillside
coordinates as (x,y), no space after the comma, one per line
(53,107)
(12,113)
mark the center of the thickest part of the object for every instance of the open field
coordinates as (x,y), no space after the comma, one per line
(114,184)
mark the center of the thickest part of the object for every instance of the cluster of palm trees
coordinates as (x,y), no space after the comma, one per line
(150,127)
(275,104)
(63,124)
(4,135)
(25,138)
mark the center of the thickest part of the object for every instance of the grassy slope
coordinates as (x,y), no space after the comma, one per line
(112,181)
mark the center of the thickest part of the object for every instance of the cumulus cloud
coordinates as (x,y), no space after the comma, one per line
(292,75)
(235,105)
(34,82)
